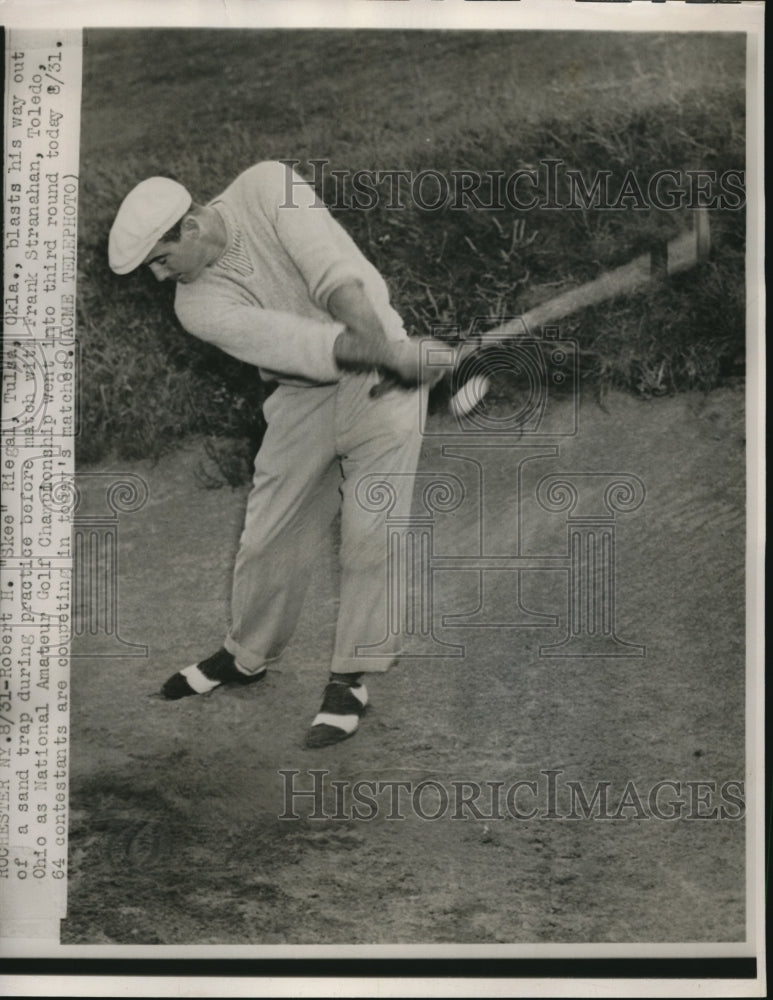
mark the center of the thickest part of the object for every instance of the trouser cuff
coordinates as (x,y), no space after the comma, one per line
(249,662)
(361,664)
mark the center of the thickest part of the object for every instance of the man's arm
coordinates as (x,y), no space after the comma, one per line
(363,345)
(320,249)
(280,342)
(294,345)
(332,266)
(308,348)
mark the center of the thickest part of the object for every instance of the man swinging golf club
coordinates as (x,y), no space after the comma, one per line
(264,272)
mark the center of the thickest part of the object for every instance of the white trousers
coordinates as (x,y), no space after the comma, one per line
(320,443)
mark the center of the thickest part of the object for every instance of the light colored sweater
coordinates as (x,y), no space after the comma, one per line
(265,300)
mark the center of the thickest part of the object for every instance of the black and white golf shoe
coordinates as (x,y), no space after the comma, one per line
(203,677)
(339,716)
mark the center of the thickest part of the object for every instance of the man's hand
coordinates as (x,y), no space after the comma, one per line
(407,363)
(364,347)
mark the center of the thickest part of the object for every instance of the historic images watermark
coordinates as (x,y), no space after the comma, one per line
(548,184)
(546,795)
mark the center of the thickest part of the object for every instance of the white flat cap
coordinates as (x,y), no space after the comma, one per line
(146,213)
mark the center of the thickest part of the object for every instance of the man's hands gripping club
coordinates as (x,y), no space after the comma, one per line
(364,347)
(401,363)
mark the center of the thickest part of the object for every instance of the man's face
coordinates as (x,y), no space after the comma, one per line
(183,261)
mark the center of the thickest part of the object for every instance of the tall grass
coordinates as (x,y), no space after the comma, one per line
(203,106)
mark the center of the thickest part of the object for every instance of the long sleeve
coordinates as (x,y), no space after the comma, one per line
(278,342)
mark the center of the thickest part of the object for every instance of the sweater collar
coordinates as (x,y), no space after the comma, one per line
(234,257)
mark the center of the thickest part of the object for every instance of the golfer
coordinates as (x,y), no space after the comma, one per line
(265,273)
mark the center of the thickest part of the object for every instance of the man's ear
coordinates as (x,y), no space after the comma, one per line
(191,226)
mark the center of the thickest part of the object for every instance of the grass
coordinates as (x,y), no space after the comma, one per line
(203,105)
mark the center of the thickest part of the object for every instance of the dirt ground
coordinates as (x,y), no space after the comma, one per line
(176,835)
